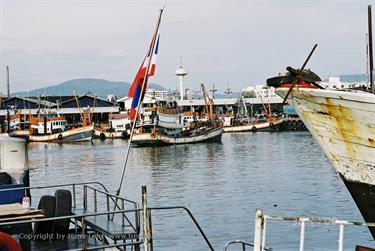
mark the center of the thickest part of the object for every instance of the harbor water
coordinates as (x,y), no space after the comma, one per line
(283,173)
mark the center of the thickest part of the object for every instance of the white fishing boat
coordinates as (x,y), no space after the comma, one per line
(54,129)
(343,124)
(242,122)
(118,127)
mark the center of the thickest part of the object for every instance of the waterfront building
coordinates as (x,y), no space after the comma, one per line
(160,94)
(69,106)
(221,105)
(261,91)
(336,83)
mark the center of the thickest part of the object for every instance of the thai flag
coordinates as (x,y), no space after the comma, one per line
(136,90)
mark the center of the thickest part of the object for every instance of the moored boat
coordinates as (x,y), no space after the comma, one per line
(78,134)
(118,128)
(172,128)
(268,125)
(342,123)
(54,129)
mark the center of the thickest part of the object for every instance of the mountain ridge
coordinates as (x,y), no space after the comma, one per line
(81,86)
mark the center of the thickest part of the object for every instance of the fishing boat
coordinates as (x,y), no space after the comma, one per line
(242,122)
(54,129)
(118,128)
(251,126)
(17,124)
(172,127)
(343,124)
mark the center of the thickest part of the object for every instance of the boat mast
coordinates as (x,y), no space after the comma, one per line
(79,107)
(208,104)
(8,85)
(370,48)
(245,108)
(367,55)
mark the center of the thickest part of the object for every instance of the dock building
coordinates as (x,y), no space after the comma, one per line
(71,107)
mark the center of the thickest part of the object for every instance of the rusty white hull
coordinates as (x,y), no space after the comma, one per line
(20,133)
(254,127)
(344,125)
(98,133)
(73,135)
(146,139)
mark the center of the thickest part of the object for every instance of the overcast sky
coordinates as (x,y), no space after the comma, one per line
(227,43)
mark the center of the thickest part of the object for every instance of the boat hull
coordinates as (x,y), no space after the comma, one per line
(20,133)
(148,139)
(212,135)
(344,125)
(73,135)
(364,197)
(100,134)
(266,126)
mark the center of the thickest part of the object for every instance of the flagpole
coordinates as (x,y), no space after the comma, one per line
(145,79)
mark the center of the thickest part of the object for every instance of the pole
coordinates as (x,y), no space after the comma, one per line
(145,219)
(138,106)
(370,48)
(258,230)
(367,55)
(302,236)
(8,85)
(341,238)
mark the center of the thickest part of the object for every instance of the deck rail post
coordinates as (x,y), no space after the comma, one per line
(151,241)
(302,236)
(264,233)
(258,230)
(95,202)
(84,232)
(123,214)
(74,195)
(85,197)
(341,238)
(108,215)
(145,219)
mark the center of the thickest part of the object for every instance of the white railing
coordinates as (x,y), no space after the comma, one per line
(262,219)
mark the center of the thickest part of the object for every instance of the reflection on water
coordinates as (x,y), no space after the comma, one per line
(222,183)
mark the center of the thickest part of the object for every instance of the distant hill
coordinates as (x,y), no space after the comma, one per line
(99,87)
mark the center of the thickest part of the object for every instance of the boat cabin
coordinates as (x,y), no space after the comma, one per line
(48,125)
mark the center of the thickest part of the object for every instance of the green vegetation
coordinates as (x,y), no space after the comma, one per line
(248,94)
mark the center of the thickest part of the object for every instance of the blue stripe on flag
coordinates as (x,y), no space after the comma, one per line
(136,96)
(157,45)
